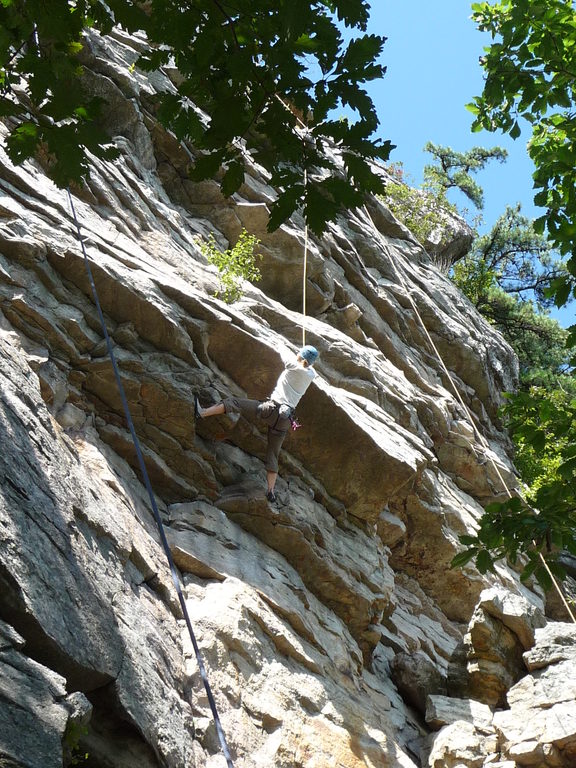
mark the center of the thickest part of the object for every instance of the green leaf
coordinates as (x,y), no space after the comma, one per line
(529,568)
(359,53)
(282,208)
(233,178)
(540,222)
(543,578)
(22,142)
(462,558)
(320,206)
(560,289)
(541,198)
(206,166)
(484,561)
(567,469)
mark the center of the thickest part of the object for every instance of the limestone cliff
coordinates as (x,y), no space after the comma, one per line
(333,630)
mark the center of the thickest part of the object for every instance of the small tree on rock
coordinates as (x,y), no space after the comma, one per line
(454,170)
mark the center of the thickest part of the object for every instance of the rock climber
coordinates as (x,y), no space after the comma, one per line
(277,411)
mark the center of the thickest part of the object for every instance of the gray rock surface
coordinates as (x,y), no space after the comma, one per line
(539,727)
(444,710)
(416,677)
(514,611)
(303,610)
(32,707)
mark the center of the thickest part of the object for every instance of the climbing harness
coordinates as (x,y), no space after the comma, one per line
(286,411)
(294,423)
(481,439)
(147,483)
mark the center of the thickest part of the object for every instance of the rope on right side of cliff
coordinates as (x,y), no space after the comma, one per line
(480,437)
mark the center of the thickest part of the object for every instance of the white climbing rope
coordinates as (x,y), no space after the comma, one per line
(304,270)
(305,128)
(480,437)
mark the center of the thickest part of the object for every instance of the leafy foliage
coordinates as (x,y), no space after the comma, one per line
(72,753)
(423,212)
(520,258)
(506,276)
(530,70)
(538,340)
(256,75)
(40,87)
(234,264)
(543,424)
(530,80)
(453,170)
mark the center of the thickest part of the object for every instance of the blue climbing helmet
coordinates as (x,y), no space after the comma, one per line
(309,353)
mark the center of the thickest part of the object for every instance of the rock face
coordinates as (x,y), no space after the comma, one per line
(537,724)
(333,631)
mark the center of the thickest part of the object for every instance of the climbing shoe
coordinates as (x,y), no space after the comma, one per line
(197,414)
(271,496)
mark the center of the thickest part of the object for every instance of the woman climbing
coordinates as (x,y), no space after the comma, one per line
(277,412)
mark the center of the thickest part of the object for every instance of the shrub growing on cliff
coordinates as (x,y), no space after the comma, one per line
(425,211)
(72,753)
(454,170)
(234,264)
(422,211)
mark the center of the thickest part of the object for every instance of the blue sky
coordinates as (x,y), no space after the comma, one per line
(432,56)
(432,64)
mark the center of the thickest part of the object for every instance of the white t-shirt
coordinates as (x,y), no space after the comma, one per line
(292,383)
